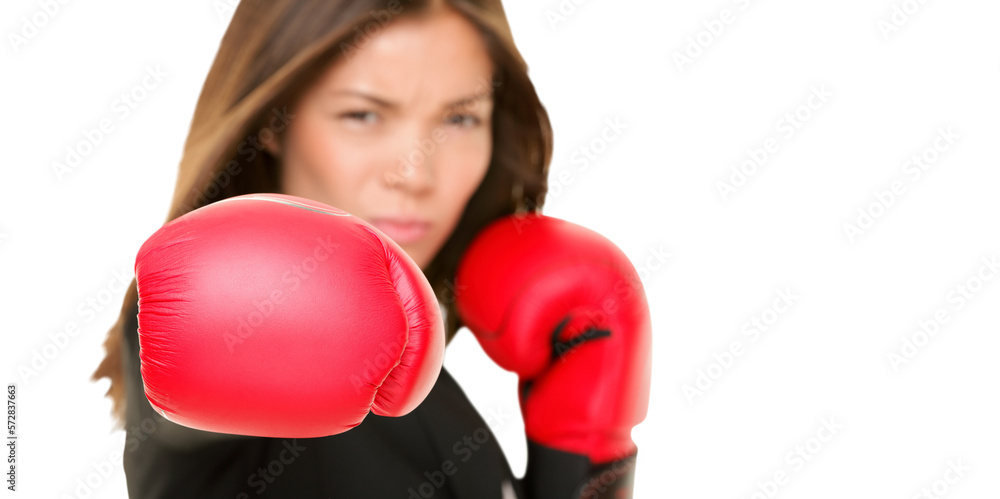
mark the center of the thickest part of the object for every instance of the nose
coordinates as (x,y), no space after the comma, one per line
(413,169)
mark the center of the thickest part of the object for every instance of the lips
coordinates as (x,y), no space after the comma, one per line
(402,230)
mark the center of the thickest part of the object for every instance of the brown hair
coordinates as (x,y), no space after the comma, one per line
(274,50)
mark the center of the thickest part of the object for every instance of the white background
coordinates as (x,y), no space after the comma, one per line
(654,189)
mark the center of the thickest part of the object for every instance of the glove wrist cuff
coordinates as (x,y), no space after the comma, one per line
(556,474)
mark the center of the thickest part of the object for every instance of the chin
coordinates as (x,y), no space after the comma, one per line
(416,255)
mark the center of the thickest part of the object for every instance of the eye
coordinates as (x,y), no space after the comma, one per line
(463,120)
(364,117)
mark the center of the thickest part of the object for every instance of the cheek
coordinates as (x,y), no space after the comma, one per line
(461,170)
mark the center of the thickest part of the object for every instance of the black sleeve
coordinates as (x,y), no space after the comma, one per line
(554,474)
(142,421)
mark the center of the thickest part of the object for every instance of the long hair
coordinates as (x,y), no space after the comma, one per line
(273,51)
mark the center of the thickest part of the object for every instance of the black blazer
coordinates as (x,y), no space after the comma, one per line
(443,449)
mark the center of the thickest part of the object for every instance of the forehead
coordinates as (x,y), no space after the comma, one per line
(413,60)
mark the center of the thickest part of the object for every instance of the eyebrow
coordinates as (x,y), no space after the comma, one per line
(387,104)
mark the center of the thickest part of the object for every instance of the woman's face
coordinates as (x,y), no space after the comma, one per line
(397,131)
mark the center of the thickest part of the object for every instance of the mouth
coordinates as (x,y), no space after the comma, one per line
(402,231)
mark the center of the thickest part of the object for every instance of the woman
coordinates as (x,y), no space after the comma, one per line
(416,116)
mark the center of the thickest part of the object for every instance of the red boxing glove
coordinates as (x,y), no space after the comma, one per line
(276,316)
(564,308)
